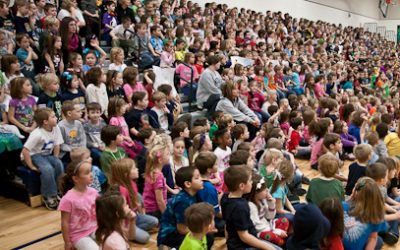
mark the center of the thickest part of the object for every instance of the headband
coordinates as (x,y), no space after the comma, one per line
(278,175)
(76,169)
(202,140)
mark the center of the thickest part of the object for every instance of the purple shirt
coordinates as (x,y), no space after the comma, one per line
(23,110)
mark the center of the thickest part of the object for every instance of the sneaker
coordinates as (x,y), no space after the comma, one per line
(300,191)
(305,180)
(390,238)
(50,202)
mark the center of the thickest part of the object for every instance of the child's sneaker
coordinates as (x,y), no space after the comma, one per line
(50,202)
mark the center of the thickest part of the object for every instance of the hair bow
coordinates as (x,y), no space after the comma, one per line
(278,175)
(67,75)
(260,183)
(87,51)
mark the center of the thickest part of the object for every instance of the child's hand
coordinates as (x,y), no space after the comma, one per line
(280,233)
(68,246)
(129,213)
(175,191)
(34,168)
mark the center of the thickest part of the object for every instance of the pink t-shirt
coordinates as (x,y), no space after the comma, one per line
(82,210)
(318,90)
(149,192)
(119,121)
(125,193)
(115,241)
(185,73)
(129,90)
(316,151)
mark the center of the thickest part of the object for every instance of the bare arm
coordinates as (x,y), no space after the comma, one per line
(182,229)
(50,62)
(160,200)
(28,160)
(12,120)
(56,151)
(65,217)
(371,241)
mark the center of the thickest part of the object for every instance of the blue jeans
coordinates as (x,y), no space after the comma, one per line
(186,91)
(147,60)
(50,170)
(144,223)
(262,116)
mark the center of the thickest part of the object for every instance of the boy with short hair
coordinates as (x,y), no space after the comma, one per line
(236,212)
(240,133)
(326,185)
(143,48)
(122,35)
(363,153)
(240,158)
(172,224)
(156,39)
(93,128)
(41,152)
(180,50)
(206,163)
(160,112)
(112,137)
(333,143)
(293,145)
(109,21)
(71,129)
(199,220)
(138,117)
(146,136)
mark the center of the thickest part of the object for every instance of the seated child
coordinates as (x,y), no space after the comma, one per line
(160,112)
(363,153)
(269,163)
(236,211)
(71,129)
(199,219)
(240,133)
(382,129)
(41,152)
(93,128)
(111,136)
(262,213)
(333,144)
(223,152)
(172,225)
(325,186)
(206,163)
(296,137)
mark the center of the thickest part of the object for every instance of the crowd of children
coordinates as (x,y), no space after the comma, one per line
(118,158)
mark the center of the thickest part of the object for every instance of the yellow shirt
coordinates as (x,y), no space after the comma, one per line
(180,55)
(392,142)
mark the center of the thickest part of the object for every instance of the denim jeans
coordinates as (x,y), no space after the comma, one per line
(147,60)
(186,91)
(50,170)
(269,243)
(144,223)
(262,116)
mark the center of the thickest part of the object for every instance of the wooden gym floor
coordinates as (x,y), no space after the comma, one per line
(21,225)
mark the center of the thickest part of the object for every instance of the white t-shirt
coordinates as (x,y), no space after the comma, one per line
(162,118)
(119,68)
(97,94)
(41,141)
(223,158)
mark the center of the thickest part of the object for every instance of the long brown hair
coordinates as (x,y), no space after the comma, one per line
(227,90)
(284,174)
(333,211)
(259,184)
(120,171)
(367,202)
(109,214)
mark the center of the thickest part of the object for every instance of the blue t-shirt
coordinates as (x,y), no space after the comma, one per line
(280,193)
(209,194)
(355,131)
(173,215)
(356,233)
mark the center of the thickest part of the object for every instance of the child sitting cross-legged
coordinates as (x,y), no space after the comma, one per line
(240,133)
(333,144)
(363,153)
(236,211)
(262,213)
(325,186)
(200,221)
(41,152)
(172,225)
(271,160)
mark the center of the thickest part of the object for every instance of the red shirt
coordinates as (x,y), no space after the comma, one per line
(294,141)
(199,68)
(333,243)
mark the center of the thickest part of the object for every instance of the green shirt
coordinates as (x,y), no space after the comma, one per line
(320,189)
(269,177)
(212,131)
(191,243)
(107,157)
